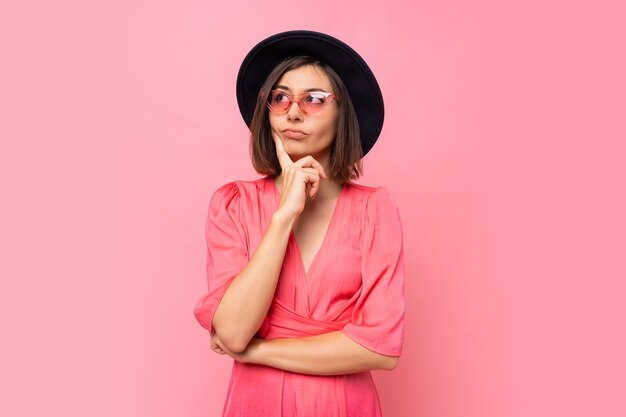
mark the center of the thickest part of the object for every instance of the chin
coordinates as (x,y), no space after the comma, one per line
(302,151)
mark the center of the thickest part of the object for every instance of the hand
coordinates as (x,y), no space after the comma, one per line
(249,355)
(300,178)
(216,343)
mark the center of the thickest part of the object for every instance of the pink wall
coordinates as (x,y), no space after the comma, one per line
(503,145)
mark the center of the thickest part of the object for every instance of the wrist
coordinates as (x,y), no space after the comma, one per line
(282,219)
(256,350)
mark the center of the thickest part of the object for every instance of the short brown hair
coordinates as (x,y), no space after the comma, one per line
(346,152)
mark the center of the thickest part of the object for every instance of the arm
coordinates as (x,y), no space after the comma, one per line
(331,353)
(247,300)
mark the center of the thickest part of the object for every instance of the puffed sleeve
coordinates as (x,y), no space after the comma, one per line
(227,251)
(377,320)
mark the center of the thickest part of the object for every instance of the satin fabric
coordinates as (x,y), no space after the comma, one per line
(355,284)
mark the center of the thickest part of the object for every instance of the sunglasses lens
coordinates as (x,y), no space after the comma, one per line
(313,102)
(278,101)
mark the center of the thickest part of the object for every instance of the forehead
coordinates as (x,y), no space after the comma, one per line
(306,77)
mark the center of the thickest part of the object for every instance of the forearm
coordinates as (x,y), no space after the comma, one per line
(246,302)
(331,353)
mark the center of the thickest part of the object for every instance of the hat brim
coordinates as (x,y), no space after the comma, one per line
(362,86)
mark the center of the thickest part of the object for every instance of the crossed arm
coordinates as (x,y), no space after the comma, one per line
(332,353)
(233,328)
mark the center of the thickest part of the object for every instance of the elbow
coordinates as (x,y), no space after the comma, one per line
(236,346)
(230,336)
(389,362)
(233,342)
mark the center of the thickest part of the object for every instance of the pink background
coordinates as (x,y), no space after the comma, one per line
(503,145)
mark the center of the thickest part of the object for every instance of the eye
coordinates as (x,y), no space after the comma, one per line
(315,99)
(278,97)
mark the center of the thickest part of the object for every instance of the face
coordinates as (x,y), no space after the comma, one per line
(319,128)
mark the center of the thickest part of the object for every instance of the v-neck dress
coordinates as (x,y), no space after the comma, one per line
(355,284)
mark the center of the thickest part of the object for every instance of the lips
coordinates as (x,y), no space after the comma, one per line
(294,133)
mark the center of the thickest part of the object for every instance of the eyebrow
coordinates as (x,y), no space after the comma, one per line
(284,87)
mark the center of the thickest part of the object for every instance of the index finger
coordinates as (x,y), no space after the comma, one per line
(283,158)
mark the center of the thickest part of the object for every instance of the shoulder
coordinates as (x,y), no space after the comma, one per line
(382,224)
(380,208)
(375,196)
(225,195)
(239,187)
(232,192)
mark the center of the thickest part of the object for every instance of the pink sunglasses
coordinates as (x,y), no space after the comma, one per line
(279,101)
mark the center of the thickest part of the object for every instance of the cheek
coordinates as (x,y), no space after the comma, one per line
(328,124)
(331,126)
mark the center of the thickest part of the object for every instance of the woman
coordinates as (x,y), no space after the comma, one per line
(305,268)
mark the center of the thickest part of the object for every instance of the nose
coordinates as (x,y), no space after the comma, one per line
(294,112)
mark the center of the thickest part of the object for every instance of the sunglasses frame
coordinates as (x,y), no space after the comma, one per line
(297,98)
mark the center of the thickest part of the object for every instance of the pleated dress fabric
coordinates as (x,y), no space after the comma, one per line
(355,284)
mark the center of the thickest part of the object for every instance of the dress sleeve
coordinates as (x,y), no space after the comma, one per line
(227,251)
(378,316)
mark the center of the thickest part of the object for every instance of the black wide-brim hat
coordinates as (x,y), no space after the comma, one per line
(362,86)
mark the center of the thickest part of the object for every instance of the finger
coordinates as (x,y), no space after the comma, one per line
(311,180)
(315,187)
(283,158)
(312,162)
(216,344)
(309,161)
(309,176)
(217,349)
(221,347)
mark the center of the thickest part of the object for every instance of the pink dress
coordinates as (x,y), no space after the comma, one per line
(355,284)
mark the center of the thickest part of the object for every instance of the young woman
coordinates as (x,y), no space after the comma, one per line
(305,268)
